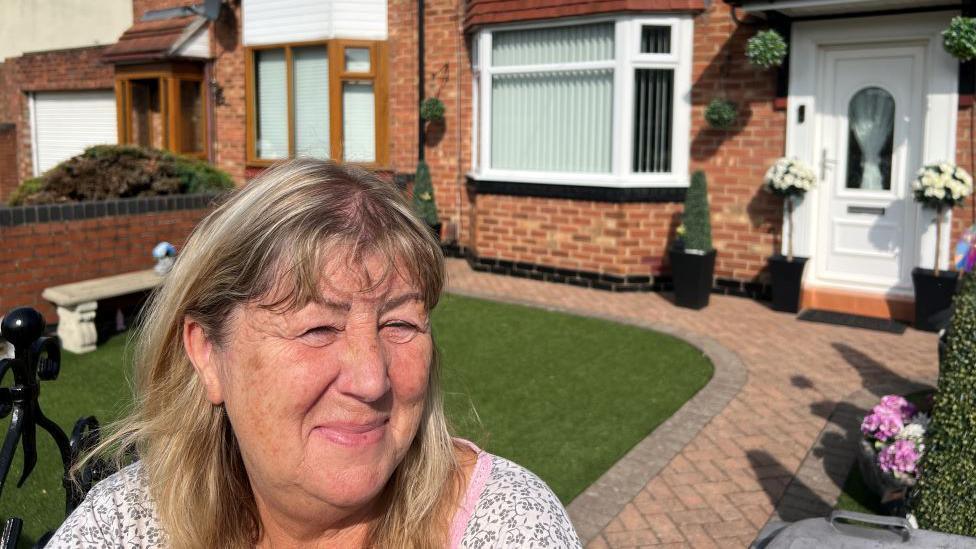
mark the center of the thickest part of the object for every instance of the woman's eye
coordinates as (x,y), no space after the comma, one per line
(320,335)
(400,332)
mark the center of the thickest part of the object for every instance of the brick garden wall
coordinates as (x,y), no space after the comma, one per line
(79,241)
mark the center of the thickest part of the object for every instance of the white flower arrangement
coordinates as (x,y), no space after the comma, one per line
(942,185)
(788,177)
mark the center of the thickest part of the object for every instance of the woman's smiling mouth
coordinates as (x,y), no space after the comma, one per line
(353,434)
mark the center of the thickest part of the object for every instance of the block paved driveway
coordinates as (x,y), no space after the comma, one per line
(783,444)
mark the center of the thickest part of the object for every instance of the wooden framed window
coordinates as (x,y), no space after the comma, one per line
(325,99)
(162,106)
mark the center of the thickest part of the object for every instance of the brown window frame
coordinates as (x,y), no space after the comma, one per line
(335,49)
(169,76)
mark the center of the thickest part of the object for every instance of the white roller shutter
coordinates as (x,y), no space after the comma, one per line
(66,123)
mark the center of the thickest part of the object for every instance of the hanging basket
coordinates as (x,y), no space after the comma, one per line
(432,109)
(766,49)
(960,38)
(721,114)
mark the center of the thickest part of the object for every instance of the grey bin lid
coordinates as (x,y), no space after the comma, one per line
(848,530)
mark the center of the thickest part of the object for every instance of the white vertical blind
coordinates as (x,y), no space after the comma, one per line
(552,121)
(559,120)
(271,133)
(358,122)
(311,88)
(545,46)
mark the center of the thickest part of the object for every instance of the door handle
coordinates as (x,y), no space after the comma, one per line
(824,164)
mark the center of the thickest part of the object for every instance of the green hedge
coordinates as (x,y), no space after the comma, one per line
(120,171)
(945,498)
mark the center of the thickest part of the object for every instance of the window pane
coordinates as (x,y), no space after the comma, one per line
(358,122)
(653,101)
(271,129)
(311,88)
(655,39)
(146,117)
(191,116)
(553,45)
(357,59)
(558,122)
(871,117)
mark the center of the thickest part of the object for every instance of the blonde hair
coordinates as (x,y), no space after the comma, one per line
(275,232)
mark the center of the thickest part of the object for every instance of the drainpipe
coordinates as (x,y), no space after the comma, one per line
(420,78)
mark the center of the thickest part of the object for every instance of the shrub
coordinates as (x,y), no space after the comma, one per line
(120,171)
(721,114)
(766,49)
(698,226)
(945,498)
(423,195)
(432,109)
(960,38)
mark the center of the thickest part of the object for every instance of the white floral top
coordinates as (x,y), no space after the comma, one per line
(505,505)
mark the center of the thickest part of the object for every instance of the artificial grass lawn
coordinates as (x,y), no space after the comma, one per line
(562,395)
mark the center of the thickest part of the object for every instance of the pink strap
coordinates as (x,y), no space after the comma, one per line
(479,477)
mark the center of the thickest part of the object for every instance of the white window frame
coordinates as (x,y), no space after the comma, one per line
(627,59)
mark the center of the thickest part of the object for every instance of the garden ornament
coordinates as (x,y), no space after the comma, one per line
(165,255)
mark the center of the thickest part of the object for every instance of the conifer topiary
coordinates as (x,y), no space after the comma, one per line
(945,497)
(423,195)
(698,226)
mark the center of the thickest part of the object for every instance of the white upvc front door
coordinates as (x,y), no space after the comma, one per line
(870,146)
(871,100)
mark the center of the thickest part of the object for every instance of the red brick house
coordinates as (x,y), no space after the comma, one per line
(571,127)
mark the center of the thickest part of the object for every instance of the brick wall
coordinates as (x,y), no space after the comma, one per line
(73,69)
(746,222)
(962,217)
(37,255)
(8,159)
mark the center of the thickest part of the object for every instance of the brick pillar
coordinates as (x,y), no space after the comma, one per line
(8,160)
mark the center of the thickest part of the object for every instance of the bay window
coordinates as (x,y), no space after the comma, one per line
(596,102)
(323,100)
(162,105)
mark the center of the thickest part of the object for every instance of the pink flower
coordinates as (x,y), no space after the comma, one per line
(899,457)
(898,403)
(882,423)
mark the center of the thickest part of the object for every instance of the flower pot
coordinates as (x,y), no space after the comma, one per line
(787,279)
(435,229)
(933,298)
(692,273)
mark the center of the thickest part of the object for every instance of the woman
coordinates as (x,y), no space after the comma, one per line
(287,390)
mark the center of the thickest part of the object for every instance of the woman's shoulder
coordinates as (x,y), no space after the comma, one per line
(116,512)
(515,508)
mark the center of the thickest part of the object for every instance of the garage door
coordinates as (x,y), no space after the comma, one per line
(66,123)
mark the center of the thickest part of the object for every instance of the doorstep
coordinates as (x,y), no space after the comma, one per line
(858,303)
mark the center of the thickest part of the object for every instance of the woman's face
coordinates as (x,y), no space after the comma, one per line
(326,400)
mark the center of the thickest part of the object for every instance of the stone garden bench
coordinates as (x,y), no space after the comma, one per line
(77,302)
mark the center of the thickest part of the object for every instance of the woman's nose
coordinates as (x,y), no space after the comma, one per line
(364,367)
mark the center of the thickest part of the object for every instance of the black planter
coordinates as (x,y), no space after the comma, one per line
(692,274)
(933,298)
(435,229)
(787,279)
